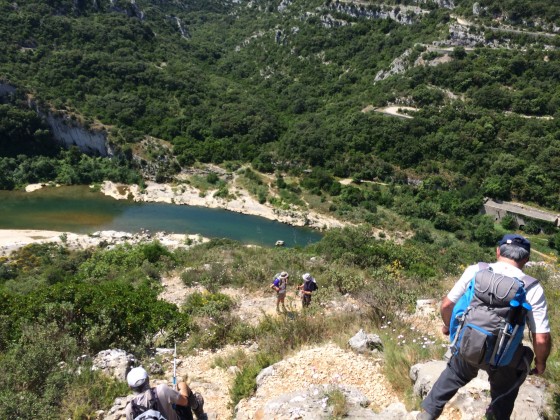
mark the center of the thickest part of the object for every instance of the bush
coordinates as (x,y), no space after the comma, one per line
(212,178)
(509,223)
(244,384)
(208,304)
(554,242)
(31,368)
(98,317)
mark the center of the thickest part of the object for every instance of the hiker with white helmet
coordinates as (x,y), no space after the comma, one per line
(161,401)
(280,285)
(307,288)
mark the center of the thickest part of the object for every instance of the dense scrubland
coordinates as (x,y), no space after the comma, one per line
(283,93)
(58,304)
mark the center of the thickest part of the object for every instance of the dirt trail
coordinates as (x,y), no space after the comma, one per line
(325,364)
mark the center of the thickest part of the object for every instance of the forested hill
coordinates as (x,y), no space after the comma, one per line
(285,85)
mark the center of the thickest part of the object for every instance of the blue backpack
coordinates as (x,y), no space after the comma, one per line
(488,321)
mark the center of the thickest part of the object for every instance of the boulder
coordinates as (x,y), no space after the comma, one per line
(363,343)
(114,362)
(155,368)
(471,400)
(265,373)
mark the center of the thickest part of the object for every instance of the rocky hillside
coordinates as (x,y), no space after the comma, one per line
(303,385)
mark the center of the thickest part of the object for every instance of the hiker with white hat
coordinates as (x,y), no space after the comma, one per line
(307,288)
(161,401)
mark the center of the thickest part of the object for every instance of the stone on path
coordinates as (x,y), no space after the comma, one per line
(365,343)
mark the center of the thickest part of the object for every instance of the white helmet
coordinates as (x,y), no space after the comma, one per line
(306,276)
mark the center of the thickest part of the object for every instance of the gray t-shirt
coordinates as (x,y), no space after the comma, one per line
(167,397)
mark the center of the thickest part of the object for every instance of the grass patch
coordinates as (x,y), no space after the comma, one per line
(91,391)
(202,183)
(238,358)
(403,348)
(337,402)
(254,183)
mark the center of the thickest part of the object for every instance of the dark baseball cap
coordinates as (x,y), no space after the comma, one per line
(517,240)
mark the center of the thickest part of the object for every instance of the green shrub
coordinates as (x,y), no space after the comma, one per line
(238,358)
(244,384)
(89,392)
(109,314)
(124,262)
(509,223)
(212,178)
(31,368)
(215,332)
(208,304)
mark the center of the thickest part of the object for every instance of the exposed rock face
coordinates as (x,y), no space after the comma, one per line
(365,343)
(401,14)
(67,131)
(71,134)
(471,400)
(114,362)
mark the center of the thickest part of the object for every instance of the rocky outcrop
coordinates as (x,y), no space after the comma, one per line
(66,130)
(315,402)
(406,15)
(300,384)
(398,66)
(114,362)
(471,400)
(70,133)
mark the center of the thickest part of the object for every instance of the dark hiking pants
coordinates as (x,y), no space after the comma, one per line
(504,384)
(184,413)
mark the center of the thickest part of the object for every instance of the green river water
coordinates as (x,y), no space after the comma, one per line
(78,209)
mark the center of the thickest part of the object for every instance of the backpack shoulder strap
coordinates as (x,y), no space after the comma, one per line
(528,281)
(483,266)
(154,404)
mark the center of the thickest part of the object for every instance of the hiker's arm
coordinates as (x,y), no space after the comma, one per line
(184,391)
(446,310)
(542,343)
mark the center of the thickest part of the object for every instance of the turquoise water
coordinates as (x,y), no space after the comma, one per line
(80,210)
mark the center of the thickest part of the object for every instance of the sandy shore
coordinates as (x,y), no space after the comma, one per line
(242,203)
(12,239)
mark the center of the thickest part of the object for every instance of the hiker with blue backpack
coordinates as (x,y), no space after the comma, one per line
(161,401)
(280,286)
(485,314)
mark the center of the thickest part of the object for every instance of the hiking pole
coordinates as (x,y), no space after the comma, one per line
(504,332)
(175,367)
(519,321)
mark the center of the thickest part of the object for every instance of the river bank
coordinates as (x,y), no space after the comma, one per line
(14,239)
(241,203)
